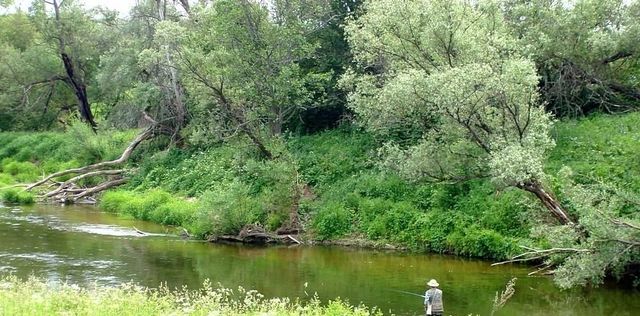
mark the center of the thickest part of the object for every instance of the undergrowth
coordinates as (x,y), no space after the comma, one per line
(218,190)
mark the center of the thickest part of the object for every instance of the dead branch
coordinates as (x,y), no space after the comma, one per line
(69,192)
(64,186)
(123,158)
(100,188)
(534,254)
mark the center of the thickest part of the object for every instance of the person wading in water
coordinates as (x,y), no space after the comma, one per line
(433,299)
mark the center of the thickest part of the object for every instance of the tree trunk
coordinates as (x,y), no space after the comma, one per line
(80,90)
(547,199)
(256,141)
(242,123)
(73,79)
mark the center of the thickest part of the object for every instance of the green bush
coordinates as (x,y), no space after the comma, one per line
(479,242)
(504,212)
(17,196)
(332,156)
(174,212)
(188,173)
(113,201)
(20,171)
(5,179)
(599,148)
(143,206)
(332,220)
(431,230)
(226,209)
(155,205)
(89,147)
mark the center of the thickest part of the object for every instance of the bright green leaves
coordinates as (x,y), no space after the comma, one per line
(241,60)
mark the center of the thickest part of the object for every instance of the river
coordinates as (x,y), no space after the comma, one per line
(83,246)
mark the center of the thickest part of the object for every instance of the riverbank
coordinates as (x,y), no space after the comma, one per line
(331,181)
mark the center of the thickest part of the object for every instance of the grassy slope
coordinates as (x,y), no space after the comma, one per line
(351,197)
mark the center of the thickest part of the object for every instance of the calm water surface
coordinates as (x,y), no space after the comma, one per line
(84,246)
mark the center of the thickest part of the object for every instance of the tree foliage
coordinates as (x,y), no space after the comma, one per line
(612,245)
(454,79)
(242,64)
(586,51)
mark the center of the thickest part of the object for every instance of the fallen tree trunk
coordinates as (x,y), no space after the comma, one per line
(69,192)
(100,188)
(123,158)
(65,186)
(254,234)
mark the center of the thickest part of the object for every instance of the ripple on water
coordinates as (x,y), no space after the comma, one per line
(52,260)
(107,230)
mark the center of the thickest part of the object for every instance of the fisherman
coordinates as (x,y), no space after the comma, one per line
(433,299)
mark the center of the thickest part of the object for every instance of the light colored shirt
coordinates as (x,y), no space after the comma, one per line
(433,297)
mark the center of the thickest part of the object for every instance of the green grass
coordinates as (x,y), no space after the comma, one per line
(35,297)
(599,148)
(16,196)
(155,205)
(25,157)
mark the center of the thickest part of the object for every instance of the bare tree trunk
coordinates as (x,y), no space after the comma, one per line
(240,119)
(74,80)
(547,199)
(80,90)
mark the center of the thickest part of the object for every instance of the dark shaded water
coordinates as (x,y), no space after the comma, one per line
(81,245)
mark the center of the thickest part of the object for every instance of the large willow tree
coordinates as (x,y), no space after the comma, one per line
(450,72)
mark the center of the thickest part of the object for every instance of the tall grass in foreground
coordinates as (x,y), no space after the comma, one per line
(34,297)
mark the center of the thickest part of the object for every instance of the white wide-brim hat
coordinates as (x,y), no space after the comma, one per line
(433,283)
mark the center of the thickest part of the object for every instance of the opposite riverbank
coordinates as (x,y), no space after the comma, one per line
(329,183)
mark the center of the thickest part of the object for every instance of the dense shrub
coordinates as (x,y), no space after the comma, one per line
(6,179)
(226,209)
(478,242)
(154,205)
(599,148)
(17,196)
(175,212)
(332,156)
(332,220)
(20,171)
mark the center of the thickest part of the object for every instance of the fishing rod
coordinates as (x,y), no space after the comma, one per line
(405,292)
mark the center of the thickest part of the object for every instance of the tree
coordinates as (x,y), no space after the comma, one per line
(332,56)
(75,67)
(241,59)
(586,51)
(611,245)
(26,101)
(451,71)
(148,79)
